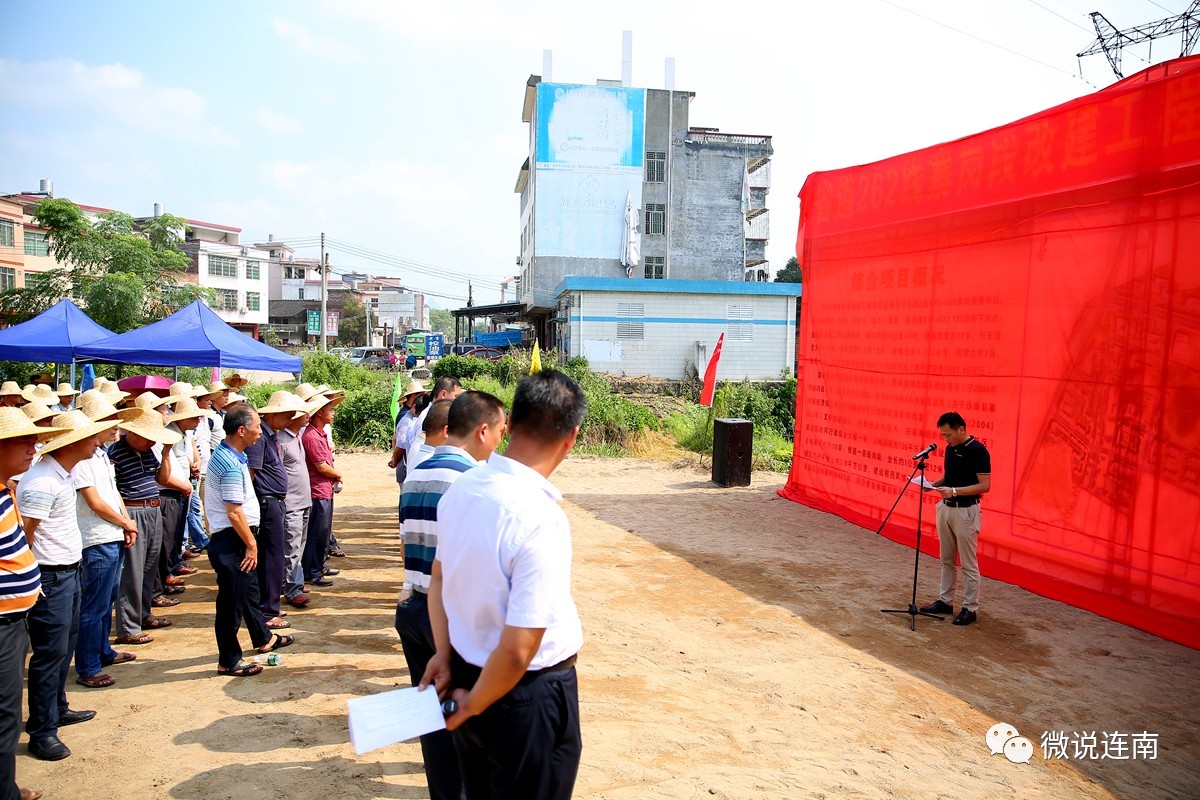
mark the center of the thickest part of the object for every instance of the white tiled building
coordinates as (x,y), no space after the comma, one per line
(237,273)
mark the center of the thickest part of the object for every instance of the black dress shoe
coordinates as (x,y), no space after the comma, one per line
(938,607)
(321,582)
(71,717)
(48,748)
(964,617)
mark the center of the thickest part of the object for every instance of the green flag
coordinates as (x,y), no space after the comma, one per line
(396,401)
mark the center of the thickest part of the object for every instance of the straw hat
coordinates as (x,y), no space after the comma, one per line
(283,402)
(414,387)
(149,425)
(235,381)
(150,400)
(36,411)
(185,389)
(78,426)
(111,390)
(186,409)
(96,405)
(14,423)
(234,397)
(9,388)
(65,388)
(41,393)
(216,388)
(305,391)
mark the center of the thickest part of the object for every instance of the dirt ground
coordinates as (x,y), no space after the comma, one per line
(734,649)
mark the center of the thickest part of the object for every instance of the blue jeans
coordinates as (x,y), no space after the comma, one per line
(195,523)
(101,574)
(53,627)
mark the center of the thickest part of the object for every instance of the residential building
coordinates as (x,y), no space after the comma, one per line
(12,249)
(619,185)
(236,273)
(667,328)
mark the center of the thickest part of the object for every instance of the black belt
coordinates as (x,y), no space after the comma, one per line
(59,567)
(253,531)
(153,503)
(961,502)
(279,497)
(13,618)
(170,493)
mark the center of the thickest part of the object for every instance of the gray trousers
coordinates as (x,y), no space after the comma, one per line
(296,535)
(137,577)
(958,534)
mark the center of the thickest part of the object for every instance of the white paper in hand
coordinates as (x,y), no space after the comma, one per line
(923,482)
(382,719)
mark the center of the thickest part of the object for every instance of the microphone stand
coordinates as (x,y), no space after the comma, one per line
(912,610)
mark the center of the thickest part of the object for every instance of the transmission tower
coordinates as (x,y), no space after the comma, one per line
(1111,41)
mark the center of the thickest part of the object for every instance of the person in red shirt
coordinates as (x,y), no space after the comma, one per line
(318,456)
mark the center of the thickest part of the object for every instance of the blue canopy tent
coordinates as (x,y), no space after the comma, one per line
(191,337)
(53,335)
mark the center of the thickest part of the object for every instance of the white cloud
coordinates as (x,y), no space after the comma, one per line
(325,47)
(114,94)
(275,122)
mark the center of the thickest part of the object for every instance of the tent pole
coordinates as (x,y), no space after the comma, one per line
(72,373)
(176,374)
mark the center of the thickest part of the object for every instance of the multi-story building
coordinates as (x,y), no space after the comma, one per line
(12,252)
(618,184)
(236,273)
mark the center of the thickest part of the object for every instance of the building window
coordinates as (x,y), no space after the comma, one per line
(656,166)
(226,300)
(6,233)
(739,322)
(252,300)
(656,219)
(37,243)
(223,266)
(655,267)
(629,321)
(293,273)
(252,268)
(8,279)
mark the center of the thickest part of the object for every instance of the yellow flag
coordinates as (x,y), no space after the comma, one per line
(535,361)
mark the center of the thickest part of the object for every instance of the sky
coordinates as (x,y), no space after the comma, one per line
(395,127)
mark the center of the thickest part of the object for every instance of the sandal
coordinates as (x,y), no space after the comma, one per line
(120,658)
(174,589)
(156,622)
(162,601)
(280,641)
(242,670)
(141,638)
(338,553)
(97,681)
(276,623)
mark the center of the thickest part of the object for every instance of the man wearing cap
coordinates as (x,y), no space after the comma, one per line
(20,585)
(66,397)
(10,395)
(107,530)
(138,470)
(322,475)
(46,500)
(297,504)
(233,517)
(271,487)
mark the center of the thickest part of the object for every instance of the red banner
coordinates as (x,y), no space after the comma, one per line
(1043,280)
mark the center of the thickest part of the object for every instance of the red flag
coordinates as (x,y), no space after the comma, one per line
(710,374)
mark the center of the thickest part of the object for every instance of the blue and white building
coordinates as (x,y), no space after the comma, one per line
(668,328)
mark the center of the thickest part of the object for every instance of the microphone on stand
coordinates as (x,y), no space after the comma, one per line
(924,452)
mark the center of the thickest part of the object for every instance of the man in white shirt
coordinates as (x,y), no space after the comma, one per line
(505,624)
(444,388)
(46,499)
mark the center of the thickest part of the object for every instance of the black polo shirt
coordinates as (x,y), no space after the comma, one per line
(966,462)
(263,457)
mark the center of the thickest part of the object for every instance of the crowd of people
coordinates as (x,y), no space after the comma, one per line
(108,498)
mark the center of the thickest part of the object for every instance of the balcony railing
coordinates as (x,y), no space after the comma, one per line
(710,137)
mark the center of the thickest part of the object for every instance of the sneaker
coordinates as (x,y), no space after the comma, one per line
(964,617)
(937,607)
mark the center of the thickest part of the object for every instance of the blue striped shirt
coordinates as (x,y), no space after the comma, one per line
(423,489)
(135,471)
(228,481)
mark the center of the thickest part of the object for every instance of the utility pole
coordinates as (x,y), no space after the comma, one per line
(324,296)
(367,308)
(1111,41)
(470,295)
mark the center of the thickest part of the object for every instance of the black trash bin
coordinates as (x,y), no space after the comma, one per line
(733,446)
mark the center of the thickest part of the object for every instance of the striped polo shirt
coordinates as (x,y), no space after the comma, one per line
(20,578)
(423,489)
(228,481)
(135,471)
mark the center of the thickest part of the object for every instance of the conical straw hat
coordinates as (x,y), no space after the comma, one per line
(78,426)
(14,423)
(148,424)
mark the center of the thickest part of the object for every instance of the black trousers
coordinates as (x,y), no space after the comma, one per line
(316,548)
(237,598)
(14,641)
(416,637)
(271,535)
(53,632)
(526,745)
(174,509)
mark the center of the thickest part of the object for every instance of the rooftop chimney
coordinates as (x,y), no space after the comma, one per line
(627,58)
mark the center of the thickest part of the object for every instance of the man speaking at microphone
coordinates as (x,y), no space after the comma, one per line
(968,475)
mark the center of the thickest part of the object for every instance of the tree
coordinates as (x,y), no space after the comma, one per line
(442,320)
(790,273)
(124,273)
(352,327)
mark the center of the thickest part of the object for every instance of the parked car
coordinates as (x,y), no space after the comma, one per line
(340,352)
(490,353)
(369,356)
